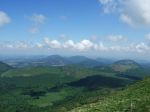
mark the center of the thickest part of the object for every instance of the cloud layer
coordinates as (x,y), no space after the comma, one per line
(80,46)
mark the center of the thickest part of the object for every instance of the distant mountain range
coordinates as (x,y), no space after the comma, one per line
(122,68)
(57,60)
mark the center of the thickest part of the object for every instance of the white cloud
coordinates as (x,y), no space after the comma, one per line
(4,18)
(84,45)
(117,38)
(138,11)
(101,47)
(15,45)
(136,47)
(147,36)
(38,18)
(142,47)
(52,43)
(39,45)
(69,44)
(126,19)
(21,45)
(80,46)
(132,12)
(108,5)
(87,45)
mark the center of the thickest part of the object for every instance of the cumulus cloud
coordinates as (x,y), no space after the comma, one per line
(37,20)
(69,44)
(80,46)
(52,43)
(4,19)
(131,12)
(39,45)
(142,47)
(87,45)
(84,45)
(138,11)
(117,38)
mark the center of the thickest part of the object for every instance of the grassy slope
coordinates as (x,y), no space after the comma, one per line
(135,98)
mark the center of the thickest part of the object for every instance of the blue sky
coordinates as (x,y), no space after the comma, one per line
(73,27)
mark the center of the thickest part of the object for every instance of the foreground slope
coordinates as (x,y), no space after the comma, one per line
(135,98)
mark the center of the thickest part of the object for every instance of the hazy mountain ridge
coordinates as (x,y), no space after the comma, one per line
(55,60)
(124,68)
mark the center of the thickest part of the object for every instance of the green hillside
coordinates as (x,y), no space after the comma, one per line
(74,71)
(124,65)
(49,89)
(4,67)
(135,98)
(63,88)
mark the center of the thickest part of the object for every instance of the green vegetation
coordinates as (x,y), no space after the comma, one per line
(70,70)
(73,88)
(135,98)
(125,65)
(4,67)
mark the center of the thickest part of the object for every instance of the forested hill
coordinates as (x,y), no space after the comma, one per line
(4,67)
(135,98)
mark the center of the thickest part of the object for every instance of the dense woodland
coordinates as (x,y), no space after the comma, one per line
(122,86)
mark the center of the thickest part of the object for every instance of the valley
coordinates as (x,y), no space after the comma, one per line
(62,84)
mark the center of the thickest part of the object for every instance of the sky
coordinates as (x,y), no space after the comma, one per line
(100,28)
